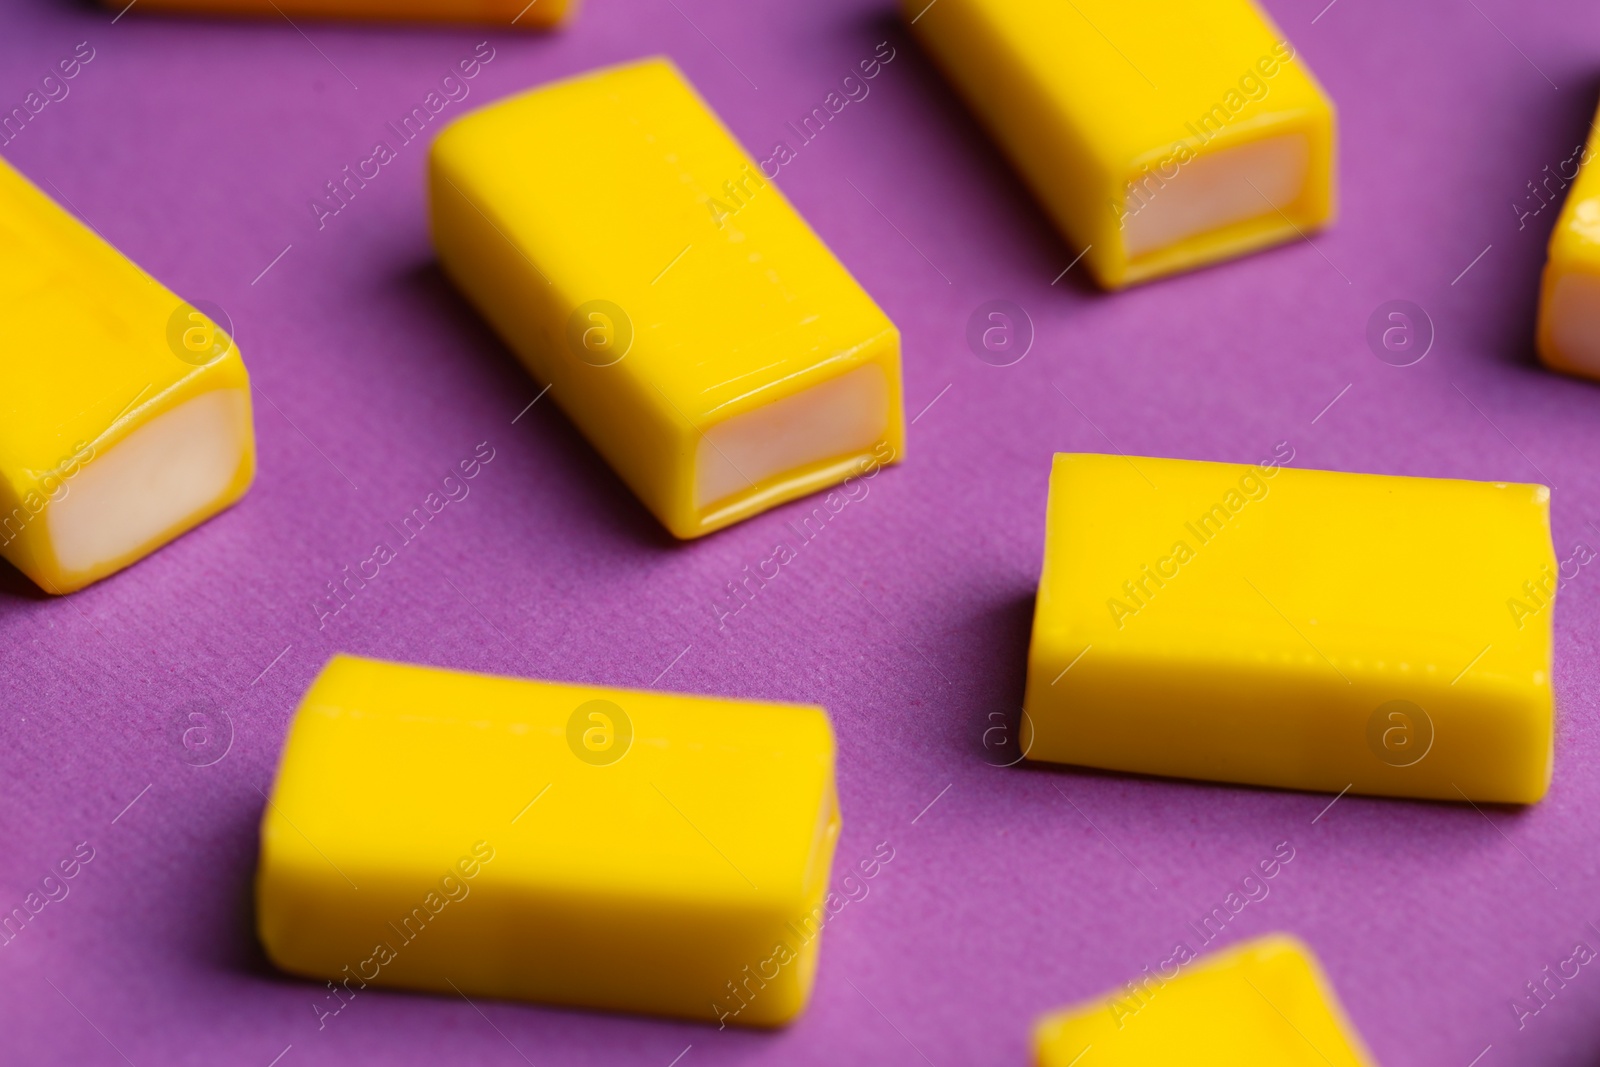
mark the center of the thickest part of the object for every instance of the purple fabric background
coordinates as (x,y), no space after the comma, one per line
(195,146)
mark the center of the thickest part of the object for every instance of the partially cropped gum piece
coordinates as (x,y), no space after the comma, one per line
(124,412)
(1568,333)
(1306,629)
(1263,1002)
(603,848)
(514,14)
(683,314)
(1159,136)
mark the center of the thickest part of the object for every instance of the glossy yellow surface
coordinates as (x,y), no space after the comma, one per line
(540,14)
(1573,256)
(1092,96)
(622,187)
(653,853)
(1263,1002)
(86,359)
(1257,624)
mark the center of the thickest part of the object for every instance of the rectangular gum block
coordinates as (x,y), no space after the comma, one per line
(1568,331)
(124,412)
(682,313)
(602,848)
(1305,629)
(517,14)
(1159,136)
(1263,1002)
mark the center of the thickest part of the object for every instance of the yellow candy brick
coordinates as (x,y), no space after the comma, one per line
(124,412)
(683,314)
(603,848)
(1262,1002)
(1568,335)
(1295,628)
(1159,136)
(519,14)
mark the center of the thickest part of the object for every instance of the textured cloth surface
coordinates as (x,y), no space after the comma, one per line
(197,146)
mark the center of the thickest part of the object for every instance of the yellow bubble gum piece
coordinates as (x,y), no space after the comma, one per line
(1306,629)
(603,848)
(1262,1002)
(683,314)
(1158,136)
(124,412)
(1568,332)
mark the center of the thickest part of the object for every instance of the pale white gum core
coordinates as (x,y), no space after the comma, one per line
(161,474)
(1215,189)
(1574,320)
(846,414)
